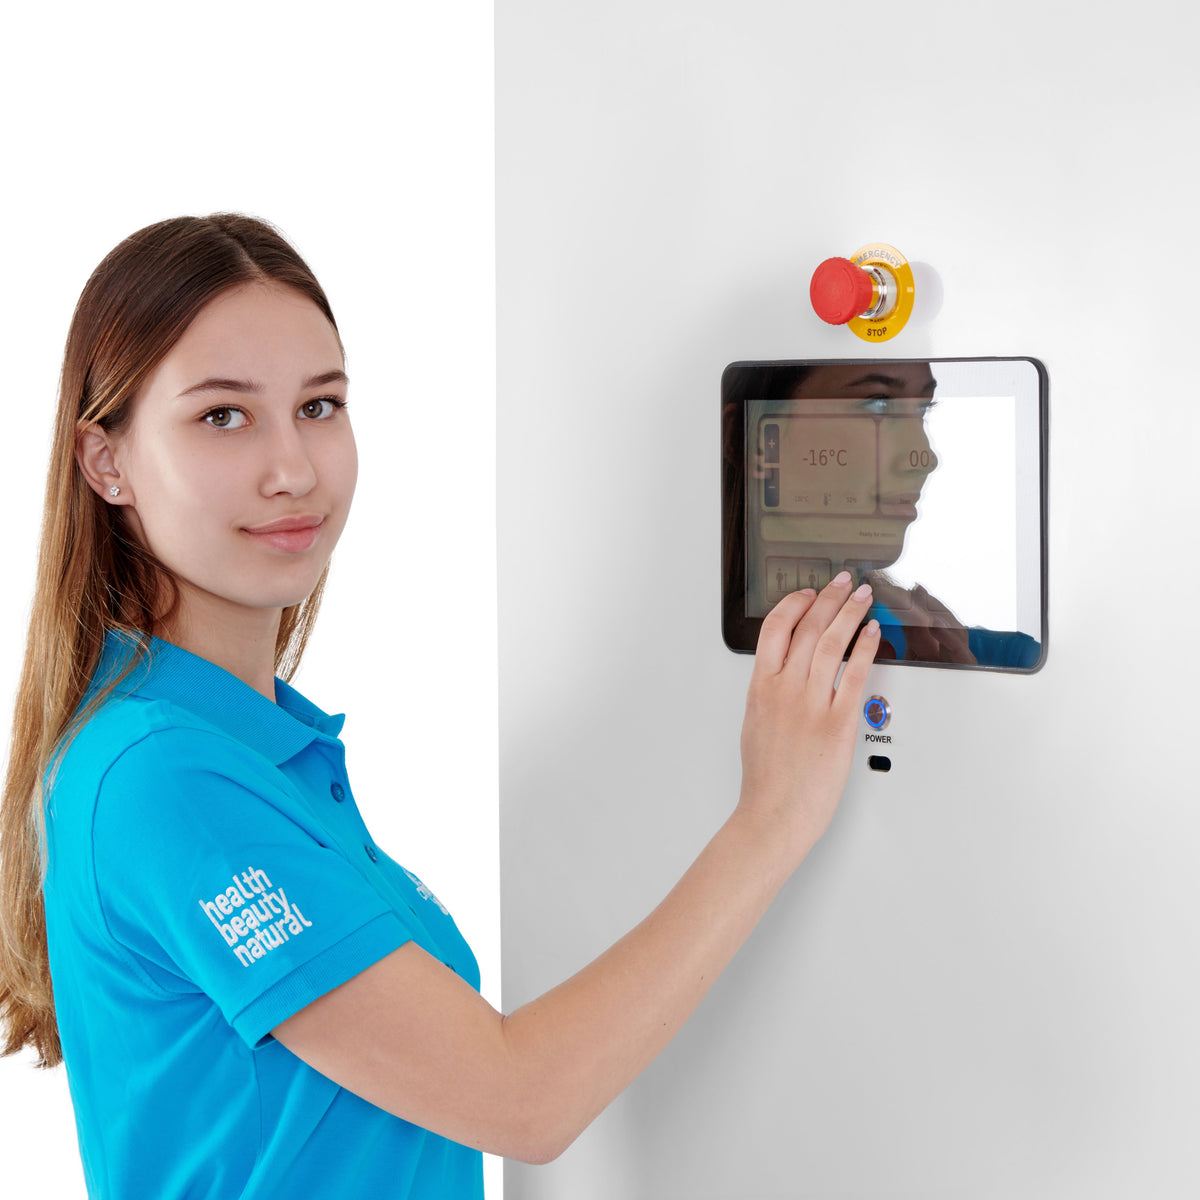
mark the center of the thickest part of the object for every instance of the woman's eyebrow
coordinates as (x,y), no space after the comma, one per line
(335,376)
(891,381)
(218,384)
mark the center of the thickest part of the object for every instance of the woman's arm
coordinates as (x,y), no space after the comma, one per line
(411,1037)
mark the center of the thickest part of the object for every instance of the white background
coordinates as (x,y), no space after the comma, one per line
(983,983)
(365,133)
(963,546)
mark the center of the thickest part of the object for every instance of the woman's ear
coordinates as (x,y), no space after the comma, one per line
(94,454)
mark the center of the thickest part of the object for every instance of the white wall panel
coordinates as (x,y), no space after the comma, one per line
(983,981)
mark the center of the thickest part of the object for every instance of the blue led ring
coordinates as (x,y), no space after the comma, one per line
(878,712)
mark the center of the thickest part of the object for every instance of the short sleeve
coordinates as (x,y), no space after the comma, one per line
(214,874)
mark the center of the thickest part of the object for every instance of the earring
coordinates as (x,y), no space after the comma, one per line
(114,490)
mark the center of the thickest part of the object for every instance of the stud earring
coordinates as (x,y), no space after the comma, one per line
(114,490)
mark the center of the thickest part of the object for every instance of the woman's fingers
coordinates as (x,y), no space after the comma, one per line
(821,638)
(775,636)
(815,621)
(798,735)
(847,699)
(831,645)
(809,633)
(945,639)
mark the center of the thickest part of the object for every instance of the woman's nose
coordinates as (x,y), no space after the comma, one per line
(921,459)
(918,456)
(287,467)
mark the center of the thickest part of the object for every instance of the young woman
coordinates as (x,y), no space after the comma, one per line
(250,997)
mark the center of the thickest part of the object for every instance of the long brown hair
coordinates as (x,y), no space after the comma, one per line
(93,575)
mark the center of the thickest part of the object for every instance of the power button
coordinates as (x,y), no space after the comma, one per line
(878,712)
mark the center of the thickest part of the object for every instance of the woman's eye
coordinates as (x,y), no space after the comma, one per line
(225,418)
(882,405)
(321,409)
(876,404)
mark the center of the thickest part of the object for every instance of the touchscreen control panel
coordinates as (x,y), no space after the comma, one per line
(924,477)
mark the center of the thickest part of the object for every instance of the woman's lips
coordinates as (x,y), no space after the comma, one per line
(290,534)
(899,505)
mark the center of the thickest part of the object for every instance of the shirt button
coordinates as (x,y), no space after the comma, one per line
(338,792)
(371,853)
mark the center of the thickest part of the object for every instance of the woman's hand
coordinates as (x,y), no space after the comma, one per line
(411,1037)
(932,633)
(799,732)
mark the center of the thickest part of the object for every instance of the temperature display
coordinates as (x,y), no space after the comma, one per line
(819,464)
(826,458)
(847,465)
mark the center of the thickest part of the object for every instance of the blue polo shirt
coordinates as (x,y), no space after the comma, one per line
(989,647)
(208,876)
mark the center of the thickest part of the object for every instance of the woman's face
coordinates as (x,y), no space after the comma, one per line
(900,395)
(238,465)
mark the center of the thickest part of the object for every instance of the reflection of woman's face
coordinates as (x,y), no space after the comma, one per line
(899,394)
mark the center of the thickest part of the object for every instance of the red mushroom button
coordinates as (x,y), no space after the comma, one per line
(840,291)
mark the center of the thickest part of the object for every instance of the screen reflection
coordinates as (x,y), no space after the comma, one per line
(845,466)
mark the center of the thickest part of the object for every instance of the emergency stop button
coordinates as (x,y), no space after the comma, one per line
(870,292)
(840,290)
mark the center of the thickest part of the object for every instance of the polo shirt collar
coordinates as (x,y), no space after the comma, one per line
(278,731)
